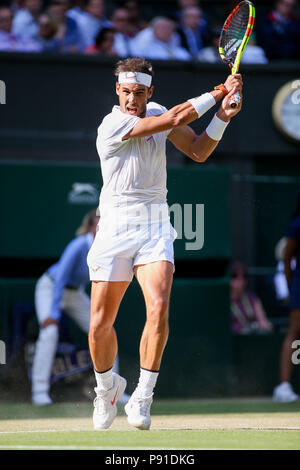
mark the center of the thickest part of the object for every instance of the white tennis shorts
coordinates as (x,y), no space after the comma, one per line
(129,237)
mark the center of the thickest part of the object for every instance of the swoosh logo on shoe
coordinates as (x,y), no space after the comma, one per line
(113,402)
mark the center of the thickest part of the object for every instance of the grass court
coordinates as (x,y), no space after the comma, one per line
(176,424)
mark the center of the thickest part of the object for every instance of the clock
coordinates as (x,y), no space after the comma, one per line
(286,110)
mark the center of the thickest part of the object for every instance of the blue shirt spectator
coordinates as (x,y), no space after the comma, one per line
(92,21)
(193,30)
(70,271)
(25,23)
(278,33)
(11,42)
(120,23)
(46,34)
(68,33)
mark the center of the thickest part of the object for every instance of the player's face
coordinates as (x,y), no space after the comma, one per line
(133,98)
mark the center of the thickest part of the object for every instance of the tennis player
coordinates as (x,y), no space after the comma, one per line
(135,236)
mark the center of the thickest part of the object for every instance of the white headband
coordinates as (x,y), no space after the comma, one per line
(135,77)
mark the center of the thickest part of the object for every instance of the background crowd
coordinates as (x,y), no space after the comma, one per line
(122,29)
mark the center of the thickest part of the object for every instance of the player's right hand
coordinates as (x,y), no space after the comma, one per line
(226,112)
(234,81)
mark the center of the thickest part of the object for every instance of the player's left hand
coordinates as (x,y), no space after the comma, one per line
(226,112)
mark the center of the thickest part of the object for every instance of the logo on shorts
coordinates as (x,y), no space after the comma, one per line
(95,268)
(83,193)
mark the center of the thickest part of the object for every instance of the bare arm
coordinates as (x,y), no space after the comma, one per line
(289,253)
(178,116)
(200,147)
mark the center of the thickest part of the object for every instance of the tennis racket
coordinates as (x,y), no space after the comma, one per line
(234,37)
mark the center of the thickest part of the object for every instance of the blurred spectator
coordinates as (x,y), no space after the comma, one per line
(11,42)
(48,28)
(25,23)
(193,30)
(104,44)
(182,4)
(68,34)
(136,22)
(161,47)
(284,391)
(76,9)
(15,5)
(278,33)
(280,284)
(92,20)
(247,311)
(120,23)
(253,54)
(211,53)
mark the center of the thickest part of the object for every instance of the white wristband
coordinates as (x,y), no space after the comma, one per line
(216,128)
(203,103)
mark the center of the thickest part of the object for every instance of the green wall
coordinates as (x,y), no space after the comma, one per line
(41,212)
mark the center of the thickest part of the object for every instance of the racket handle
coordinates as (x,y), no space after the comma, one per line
(235,100)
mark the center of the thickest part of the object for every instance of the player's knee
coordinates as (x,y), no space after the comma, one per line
(158,314)
(100,324)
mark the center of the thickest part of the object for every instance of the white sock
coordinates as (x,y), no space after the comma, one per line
(147,382)
(104,379)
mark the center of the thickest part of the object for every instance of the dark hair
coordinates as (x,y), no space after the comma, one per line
(101,35)
(133,64)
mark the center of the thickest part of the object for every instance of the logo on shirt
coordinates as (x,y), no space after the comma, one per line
(149,138)
(83,193)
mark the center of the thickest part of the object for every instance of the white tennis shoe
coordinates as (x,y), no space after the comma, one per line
(138,411)
(105,403)
(284,393)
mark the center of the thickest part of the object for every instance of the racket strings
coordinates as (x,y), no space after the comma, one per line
(234,32)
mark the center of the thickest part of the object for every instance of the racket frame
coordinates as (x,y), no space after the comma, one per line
(234,67)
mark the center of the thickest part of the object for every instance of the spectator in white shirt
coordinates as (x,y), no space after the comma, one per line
(25,23)
(91,21)
(162,46)
(10,42)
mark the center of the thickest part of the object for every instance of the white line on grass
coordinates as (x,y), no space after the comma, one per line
(286,428)
(50,447)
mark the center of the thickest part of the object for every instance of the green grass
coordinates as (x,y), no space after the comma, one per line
(225,438)
(187,439)
(161,407)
